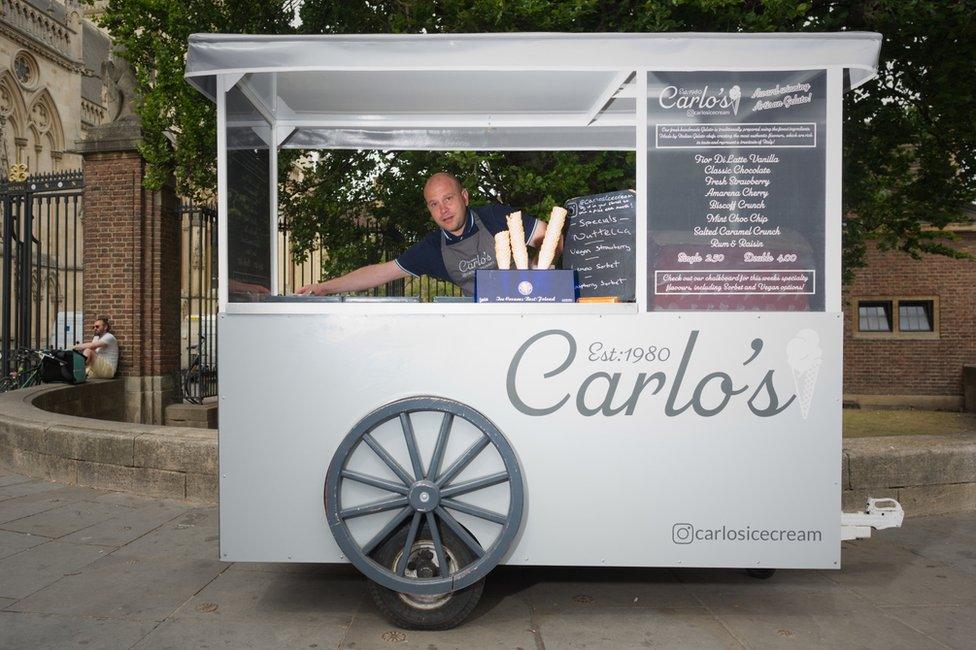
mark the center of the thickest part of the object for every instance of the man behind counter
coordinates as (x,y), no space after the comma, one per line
(463,243)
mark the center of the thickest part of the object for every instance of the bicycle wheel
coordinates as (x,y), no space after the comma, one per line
(191,385)
(30,378)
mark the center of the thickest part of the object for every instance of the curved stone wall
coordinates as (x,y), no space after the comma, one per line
(50,431)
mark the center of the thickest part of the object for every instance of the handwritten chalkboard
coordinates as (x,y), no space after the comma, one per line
(601,244)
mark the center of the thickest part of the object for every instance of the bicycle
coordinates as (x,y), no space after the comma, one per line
(27,370)
(199,376)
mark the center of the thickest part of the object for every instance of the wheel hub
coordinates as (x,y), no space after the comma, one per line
(423,564)
(424,496)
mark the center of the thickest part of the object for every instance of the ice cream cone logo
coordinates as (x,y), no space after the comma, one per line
(805,358)
(735,94)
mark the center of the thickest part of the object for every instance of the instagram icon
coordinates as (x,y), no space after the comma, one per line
(682,533)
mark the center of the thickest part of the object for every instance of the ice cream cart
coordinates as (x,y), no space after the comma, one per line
(695,423)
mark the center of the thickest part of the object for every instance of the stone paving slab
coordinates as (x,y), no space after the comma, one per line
(115,570)
(42,501)
(278,598)
(887,574)
(628,628)
(29,486)
(556,591)
(29,571)
(824,620)
(191,535)
(12,542)
(177,634)
(46,631)
(951,625)
(64,520)
(126,525)
(124,588)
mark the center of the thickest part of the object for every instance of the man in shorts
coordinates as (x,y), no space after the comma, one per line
(102,353)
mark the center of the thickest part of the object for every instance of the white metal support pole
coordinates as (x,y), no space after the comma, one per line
(834,181)
(641,212)
(222,268)
(273,205)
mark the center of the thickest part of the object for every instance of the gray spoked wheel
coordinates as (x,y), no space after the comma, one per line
(424,493)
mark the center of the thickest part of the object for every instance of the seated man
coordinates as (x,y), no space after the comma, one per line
(463,243)
(102,353)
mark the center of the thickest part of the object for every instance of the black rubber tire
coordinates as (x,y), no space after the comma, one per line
(761,574)
(452,613)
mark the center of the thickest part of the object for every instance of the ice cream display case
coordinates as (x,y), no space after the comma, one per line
(695,421)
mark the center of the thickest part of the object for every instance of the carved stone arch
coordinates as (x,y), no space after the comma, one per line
(43,115)
(12,103)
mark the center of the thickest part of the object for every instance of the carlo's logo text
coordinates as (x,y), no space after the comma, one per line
(704,100)
(598,392)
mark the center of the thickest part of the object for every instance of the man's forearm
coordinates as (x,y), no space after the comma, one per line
(366,277)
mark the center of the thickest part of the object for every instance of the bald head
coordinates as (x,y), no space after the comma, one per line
(447,202)
(442,178)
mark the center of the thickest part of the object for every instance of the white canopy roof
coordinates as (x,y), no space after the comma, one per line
(486,91)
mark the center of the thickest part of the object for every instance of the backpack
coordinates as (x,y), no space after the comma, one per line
(66,365)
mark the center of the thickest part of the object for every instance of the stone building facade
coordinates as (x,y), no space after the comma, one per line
(54,82)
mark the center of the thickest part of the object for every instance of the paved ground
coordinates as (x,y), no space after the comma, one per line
(93,569)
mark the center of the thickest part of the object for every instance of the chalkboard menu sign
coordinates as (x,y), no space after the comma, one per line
(736,190)
(601,244)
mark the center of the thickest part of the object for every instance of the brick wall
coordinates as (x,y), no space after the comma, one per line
(914,367)
(132,262)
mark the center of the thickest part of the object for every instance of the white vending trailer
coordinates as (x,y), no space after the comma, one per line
(697,423)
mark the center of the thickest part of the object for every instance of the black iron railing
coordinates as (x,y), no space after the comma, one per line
(198,362)
(42,263)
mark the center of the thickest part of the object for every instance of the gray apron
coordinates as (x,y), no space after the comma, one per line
(465,257)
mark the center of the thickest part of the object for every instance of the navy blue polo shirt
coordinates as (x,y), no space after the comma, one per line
(424,257)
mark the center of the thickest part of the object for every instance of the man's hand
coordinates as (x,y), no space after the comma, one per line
(313,289)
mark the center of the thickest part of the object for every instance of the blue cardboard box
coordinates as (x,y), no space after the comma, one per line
(525,286)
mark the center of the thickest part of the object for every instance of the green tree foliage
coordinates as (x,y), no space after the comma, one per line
(178,124)
(909,136)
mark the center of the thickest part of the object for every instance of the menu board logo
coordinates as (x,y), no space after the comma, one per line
(701,101)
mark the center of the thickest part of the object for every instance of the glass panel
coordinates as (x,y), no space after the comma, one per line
(915,316)
(248,199)
(874,316)
(736,190)
(260,84)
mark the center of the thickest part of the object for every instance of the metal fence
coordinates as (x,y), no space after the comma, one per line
(198,363)
(42,263)
(293,275)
